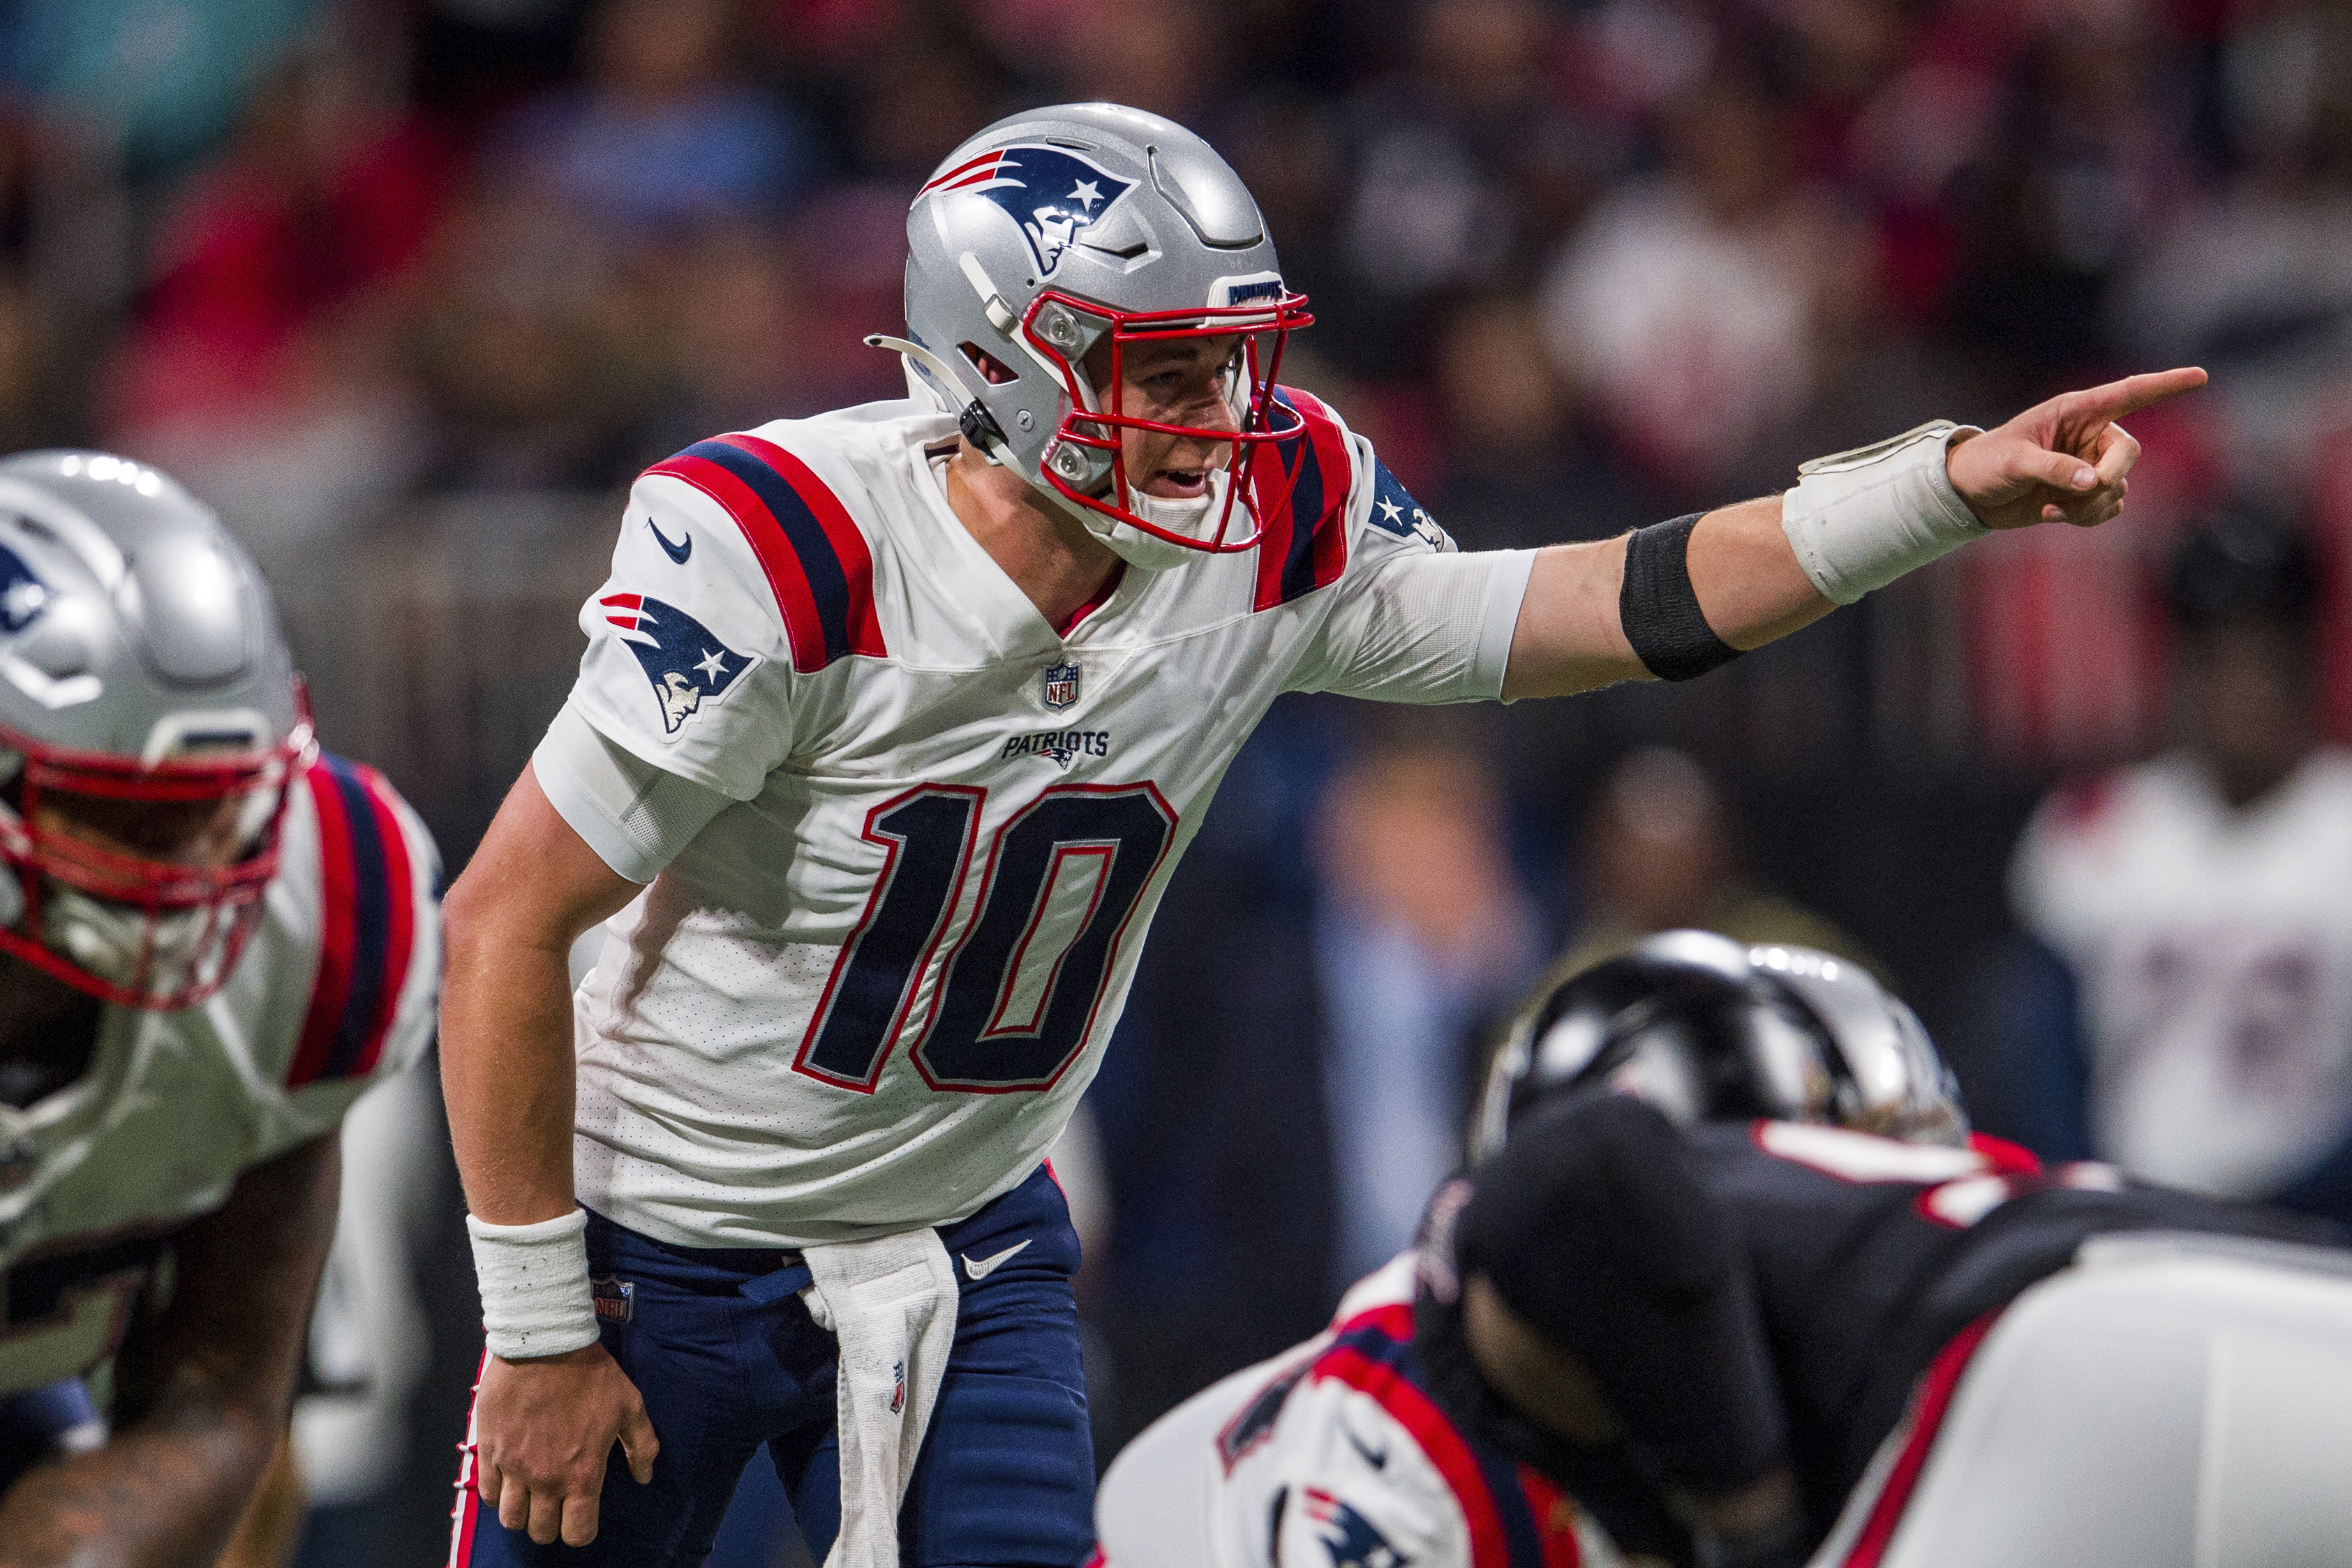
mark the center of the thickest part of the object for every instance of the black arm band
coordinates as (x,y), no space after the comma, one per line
(1659,609)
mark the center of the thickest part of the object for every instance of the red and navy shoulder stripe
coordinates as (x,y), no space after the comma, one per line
(1299,489)
(368,930)
(1515,1515)
(815,558)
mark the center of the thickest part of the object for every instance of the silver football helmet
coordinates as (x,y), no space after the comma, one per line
(151,722)
(1706,1029)
(1060,230)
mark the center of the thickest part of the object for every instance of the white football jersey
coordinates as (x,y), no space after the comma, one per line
(1332,1456)
(868,995)
(2214,952)
(335,988)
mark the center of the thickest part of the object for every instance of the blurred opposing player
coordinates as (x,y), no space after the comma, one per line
(1735,1337)
(2198,900)
(891,726)
(212,938)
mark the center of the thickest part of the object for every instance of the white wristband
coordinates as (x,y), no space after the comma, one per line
(535,1295)
(1860,520)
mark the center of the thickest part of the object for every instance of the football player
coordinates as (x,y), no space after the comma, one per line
(1682,1288)
(212,938)
(2197,901)
(891,726)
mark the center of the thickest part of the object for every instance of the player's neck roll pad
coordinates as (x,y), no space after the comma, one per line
(1595,1232)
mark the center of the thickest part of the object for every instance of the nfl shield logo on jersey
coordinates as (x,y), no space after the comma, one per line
(686,665)
(1061,686)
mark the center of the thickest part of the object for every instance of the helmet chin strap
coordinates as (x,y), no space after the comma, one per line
(1181,516)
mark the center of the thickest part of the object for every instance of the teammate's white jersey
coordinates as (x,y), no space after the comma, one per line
(2214,951)
(335,988)
(866,996)
(1331,1456)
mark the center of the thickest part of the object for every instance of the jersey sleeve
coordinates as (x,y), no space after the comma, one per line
(376,987)
(1359,1489)
(1410,619)
(690,661)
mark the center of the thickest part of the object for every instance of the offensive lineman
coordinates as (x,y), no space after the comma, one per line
(212,938)
(891,725)
(1734,1341)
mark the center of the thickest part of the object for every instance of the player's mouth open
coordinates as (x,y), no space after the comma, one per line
(1180,483)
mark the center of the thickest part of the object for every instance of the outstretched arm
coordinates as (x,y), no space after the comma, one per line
(202,1396)
(2065,460)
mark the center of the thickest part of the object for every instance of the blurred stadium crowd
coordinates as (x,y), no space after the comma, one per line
(410,288)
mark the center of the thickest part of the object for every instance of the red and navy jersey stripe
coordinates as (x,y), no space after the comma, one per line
(815,558)
(1299,488)
(1513,1513)
(368,927)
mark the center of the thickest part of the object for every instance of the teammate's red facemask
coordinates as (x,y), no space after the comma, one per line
(180,925)
(1261,420)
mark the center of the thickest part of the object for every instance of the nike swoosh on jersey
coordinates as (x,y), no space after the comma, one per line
(1376,1457)
(982,1268)
(678,552)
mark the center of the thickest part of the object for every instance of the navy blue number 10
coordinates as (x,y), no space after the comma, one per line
(969,1039)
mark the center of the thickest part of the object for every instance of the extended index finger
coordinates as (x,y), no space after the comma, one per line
(2128,396)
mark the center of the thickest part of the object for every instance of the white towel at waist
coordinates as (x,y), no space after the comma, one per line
(891,1301)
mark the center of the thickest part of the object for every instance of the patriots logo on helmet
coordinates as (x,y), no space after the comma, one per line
(23,596)
(686,665)
(1351,1538)
(1051,193)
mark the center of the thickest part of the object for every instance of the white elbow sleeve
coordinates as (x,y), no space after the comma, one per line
(636,816)
(1860,520)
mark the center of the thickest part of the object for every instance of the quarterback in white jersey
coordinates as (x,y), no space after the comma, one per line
(212,939)
(891,726)
(2200,900)
(767,1056)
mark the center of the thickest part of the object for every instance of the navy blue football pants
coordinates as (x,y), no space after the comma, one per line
(722,1346)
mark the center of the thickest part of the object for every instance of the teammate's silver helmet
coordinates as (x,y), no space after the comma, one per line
(1707,1029)
(1061,229)
(149,723)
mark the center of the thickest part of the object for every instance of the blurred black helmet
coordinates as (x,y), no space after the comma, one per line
(1707,1029)
(2242,567)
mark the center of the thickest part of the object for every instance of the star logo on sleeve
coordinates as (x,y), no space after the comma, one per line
(688,665)
(1394,511)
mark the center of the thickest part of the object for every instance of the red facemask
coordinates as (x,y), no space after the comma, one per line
(130,928)
(1264,329)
